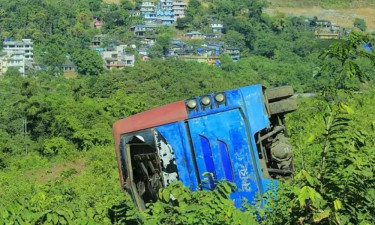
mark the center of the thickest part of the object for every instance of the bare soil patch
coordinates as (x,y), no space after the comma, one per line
(54,171)
(341,17)
(112,1)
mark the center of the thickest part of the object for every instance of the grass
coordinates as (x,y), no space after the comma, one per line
(326,4)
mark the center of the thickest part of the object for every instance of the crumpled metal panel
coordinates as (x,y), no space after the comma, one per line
(208,134)
(257,118)
(167,159)
(177,137)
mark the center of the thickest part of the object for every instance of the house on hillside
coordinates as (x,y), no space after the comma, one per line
(217,27)
(117,57)
(326,30)
(68,65)
(17,54)
(98,40)
(98,23)
(233,52)
(148,40)
(179,9)
(150,17)
(194,35)
(147,6)
(165,18)
(68,68)
(210,36)
(165,5)
(134,13)
(138,30)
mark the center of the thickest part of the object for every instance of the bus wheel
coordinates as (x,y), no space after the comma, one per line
(278,93)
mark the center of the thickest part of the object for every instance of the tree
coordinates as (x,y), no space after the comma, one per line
(348,54)
(234,38)
(360,24)
(156,51)
(88,62)
(12,72)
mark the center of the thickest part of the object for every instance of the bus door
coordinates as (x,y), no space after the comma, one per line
(221,148)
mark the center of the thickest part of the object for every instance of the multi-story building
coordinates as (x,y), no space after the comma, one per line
(147,6)
(117,57)
(165,18)
(139,30)
(18,54)
(3,63)
(165,5)
(179,9)
(150,17)
(25,46)
(98,40)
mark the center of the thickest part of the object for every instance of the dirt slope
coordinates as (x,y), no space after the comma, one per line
(341,17)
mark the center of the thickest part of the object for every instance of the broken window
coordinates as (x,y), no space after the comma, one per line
(150,165)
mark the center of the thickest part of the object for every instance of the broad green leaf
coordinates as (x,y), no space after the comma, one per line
(346,108)
(166,195)
(337,204)
(311,138)
(303,196)
(318,217)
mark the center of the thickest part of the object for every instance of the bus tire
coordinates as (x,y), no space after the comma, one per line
(278,93)
(283,106)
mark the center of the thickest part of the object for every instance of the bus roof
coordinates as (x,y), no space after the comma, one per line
(151,118)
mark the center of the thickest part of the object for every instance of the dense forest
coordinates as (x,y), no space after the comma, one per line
(57,158)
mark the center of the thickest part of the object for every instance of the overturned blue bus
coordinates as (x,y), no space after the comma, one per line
(238,135)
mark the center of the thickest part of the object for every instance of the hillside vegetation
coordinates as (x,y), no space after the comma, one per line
(57,158)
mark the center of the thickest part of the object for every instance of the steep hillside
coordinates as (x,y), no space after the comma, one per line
(341,17)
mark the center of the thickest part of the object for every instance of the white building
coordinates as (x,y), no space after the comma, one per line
(147,6)
(116,57)
(165,5)
(179,9)
(18,54)
(217,27)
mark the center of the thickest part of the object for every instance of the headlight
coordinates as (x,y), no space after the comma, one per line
(191,104)
(206,100)
(220,97)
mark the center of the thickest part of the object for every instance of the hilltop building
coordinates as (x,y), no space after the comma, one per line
(165,13)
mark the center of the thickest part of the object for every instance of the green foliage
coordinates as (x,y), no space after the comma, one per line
(88,62)
(179,205)
(57,145)
(360,24)
(348,53)
(69,174)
